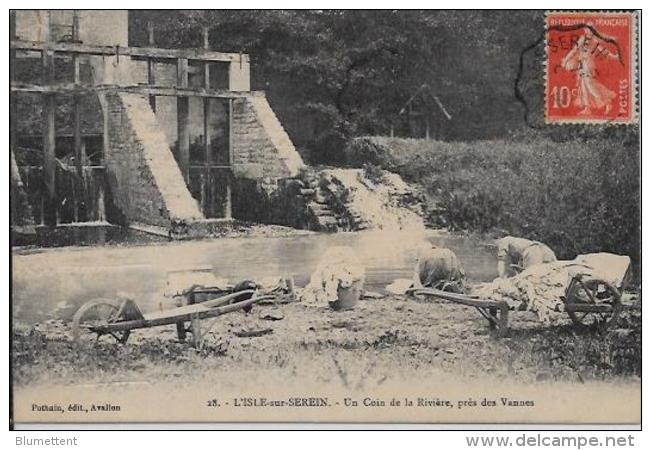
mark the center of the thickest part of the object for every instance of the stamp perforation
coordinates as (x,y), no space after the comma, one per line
(633,60)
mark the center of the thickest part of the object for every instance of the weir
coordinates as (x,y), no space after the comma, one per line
(144,137)
(171,142)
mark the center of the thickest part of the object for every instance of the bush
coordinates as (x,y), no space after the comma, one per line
(578,196)
(374,173)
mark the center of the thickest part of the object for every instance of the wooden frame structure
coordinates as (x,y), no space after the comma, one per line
(49,89)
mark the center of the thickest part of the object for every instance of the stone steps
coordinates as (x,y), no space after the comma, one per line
(320,209)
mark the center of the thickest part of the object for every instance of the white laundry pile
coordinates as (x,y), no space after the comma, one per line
(338,267)
(539,289)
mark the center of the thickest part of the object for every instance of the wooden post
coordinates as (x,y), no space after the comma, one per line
(13,104)
(208,185)
(180,330)
(50,27)
(75,26)
(49,142)
(12,25)
(78,188)
(183,119)
(78,143)
(49,158)
(492,312)
(504,319)
(195,322)
(206,65)
(228,202)
(151,76)
(182,72)
(77,100)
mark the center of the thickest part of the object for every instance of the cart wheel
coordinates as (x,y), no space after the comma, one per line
(594,291)
(95,312)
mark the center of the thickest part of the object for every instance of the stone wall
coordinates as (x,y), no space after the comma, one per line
(261,147)
(145,179)
(96,26)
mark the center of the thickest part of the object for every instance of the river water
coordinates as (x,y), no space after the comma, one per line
(53,282)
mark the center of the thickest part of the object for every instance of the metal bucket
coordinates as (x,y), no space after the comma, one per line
(347,297)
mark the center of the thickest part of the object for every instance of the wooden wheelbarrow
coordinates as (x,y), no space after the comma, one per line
(589,301)
(103,318)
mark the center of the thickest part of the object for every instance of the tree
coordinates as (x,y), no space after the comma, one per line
(332,74)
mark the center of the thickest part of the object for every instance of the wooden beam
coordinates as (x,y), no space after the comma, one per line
(184,314)
(163,91)
(195,54)
(212,166)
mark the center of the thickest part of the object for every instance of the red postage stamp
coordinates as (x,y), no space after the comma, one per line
(591,64)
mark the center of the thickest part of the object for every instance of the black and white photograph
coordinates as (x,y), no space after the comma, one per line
(325,216)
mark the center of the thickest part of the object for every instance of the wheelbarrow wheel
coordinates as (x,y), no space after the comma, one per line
(94,313)
(593,291)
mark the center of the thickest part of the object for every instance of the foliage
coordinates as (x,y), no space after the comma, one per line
(577,196)
(331,75)
(374,173)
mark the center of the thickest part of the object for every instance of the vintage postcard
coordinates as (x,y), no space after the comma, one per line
(360,217)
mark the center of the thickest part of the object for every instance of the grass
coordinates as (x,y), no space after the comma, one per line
(577,195)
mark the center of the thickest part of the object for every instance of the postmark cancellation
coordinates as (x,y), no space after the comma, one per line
(591,64)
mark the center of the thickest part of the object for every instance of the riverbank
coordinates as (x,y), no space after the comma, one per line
(102,234)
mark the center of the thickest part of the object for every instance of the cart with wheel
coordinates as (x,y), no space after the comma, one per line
(98,318)
(590,301)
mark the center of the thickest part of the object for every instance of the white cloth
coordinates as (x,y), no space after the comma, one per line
(540,287)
